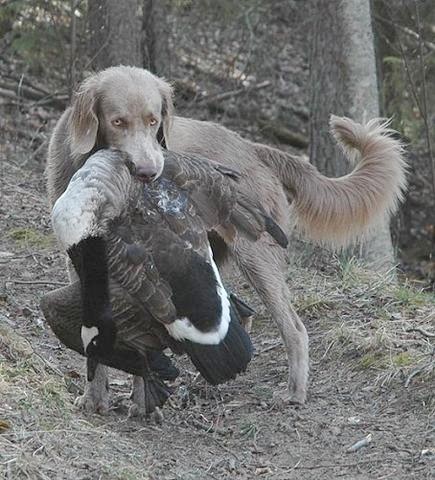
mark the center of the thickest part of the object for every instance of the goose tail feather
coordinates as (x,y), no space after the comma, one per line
(156,393)
(224,361)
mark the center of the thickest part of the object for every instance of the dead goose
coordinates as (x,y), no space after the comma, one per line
(147,275)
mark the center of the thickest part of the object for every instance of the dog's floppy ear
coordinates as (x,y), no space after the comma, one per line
(167,111)
(84,120)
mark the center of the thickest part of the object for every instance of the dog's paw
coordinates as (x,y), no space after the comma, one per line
(90,402)
(286,397)
(137,409)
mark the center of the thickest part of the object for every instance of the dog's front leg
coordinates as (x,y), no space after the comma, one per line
(96,396)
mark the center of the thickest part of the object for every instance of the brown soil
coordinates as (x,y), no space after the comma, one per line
(362,352)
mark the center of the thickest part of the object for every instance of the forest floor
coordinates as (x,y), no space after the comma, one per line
(371,345)
(371,342)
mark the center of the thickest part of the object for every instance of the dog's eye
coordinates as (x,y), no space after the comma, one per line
(118,122)
(153,121)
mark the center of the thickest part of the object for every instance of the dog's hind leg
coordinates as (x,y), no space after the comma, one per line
(263,264)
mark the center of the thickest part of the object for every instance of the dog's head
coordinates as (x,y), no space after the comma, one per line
(127,108)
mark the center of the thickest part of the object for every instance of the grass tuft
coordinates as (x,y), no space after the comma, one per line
(28,237)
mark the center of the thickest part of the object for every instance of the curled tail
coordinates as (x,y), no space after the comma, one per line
(338,211)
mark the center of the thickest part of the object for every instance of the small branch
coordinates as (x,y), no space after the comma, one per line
(425,100)
(335,465)
(417,371)
(360,444)
(420,330)
(279,132)
(28,82)
(39,282)
(56,100)
(409,76)
(22,90)
(24,133)
(406,30)
(73,48)
(233,93)
(8,94)
(270,347)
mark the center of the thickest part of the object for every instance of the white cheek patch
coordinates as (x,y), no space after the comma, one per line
(183,329)
(73,216)
(88,334)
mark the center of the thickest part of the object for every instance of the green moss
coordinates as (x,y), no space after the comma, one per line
(30,237)
(125,473)
(409,297)
(249,430)
(379,360)
(373,360)
(403,359)
(312,304)
(262,391)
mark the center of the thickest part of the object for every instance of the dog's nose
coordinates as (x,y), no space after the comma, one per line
(146,174)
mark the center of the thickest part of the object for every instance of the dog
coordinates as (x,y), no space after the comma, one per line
(131,109)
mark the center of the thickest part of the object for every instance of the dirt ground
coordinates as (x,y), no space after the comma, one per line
(371,342)
(370,375)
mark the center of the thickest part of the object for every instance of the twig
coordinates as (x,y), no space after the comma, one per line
(360,444)
(19,92)
(73,48)
(39,282)
(333,465)
(276,130)
(270,347)
(22,90)
(406,30)
(233,93)
(417,371)
(408,74)
(8,94)
(28,82)
(422,331)
(24,133)
(424,87)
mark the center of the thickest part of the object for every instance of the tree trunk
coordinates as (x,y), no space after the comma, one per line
(344,82)
(155,45)
(115,29)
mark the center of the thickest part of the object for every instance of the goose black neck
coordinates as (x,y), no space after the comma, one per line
(90,261)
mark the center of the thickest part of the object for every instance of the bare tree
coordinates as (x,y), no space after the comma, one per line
(155,45)
(344,82)
(115,29)
(129,32)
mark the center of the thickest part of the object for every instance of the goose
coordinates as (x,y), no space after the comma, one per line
(147,276)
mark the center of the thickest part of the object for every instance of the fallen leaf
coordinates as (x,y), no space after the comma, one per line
(4,425)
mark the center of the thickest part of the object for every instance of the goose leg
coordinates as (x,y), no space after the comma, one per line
(263,265)
(149,392)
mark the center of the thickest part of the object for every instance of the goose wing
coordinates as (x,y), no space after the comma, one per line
(219,199)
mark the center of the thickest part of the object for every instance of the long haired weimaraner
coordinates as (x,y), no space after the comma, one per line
(131,109)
